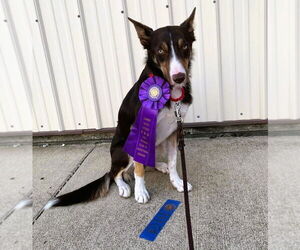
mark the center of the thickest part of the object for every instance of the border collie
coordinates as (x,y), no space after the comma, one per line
(169,54)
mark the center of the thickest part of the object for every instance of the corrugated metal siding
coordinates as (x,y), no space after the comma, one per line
(62,33)
(86,56)
(15,96)
(283,59)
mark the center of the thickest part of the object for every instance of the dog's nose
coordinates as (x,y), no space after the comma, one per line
(178,78)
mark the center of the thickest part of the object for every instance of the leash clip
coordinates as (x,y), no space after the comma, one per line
(178,111)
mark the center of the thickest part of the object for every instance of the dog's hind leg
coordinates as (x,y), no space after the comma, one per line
(140,192)
(124,188)
(162,167)
(160,152)
(121,162)
(172,160)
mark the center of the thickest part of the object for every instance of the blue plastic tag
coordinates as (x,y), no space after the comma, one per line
(159,220)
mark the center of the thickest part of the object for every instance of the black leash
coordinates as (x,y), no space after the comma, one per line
(181,145)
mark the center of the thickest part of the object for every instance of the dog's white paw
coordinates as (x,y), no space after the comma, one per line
(124,188)
(141,195)
(140,192)
(162,167)
(178,184)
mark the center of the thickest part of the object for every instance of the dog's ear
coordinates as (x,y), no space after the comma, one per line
(188,24)
(144,32)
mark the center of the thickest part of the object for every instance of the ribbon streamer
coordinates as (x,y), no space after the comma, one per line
(140,144)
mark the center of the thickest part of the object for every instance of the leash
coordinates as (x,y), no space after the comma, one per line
(181,145)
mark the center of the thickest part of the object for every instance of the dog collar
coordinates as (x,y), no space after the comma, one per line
(180,97)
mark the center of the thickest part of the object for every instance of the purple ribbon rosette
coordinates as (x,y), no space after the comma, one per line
(154,93)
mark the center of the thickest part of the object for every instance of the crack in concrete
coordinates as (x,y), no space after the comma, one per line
(60,187)
(12,210)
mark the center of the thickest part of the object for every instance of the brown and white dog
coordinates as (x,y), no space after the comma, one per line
(169,54)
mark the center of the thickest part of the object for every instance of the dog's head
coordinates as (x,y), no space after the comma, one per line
(169,48)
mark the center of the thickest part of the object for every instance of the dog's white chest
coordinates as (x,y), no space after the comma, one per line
(166,122)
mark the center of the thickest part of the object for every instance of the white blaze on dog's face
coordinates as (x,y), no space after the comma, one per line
(169,49)
(177,72)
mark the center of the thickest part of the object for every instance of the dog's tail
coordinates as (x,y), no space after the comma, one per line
(91,191)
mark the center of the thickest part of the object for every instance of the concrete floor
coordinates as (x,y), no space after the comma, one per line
(15,185)
(233,201)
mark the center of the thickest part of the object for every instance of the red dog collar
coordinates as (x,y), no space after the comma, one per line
(180,97)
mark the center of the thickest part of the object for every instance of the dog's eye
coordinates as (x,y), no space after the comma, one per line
(160,51)
(185,47)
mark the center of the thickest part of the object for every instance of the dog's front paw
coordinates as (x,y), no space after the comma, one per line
(178,184)
(141,194)
(162,167)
